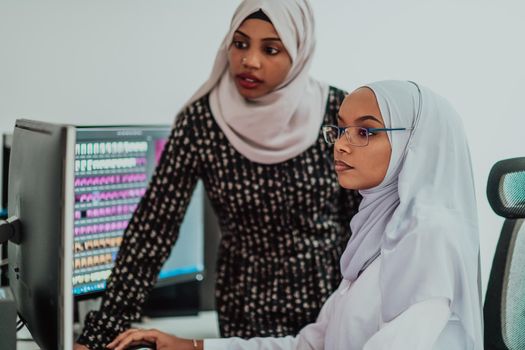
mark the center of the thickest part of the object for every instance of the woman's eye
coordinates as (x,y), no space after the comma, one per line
(271,50)
(364,132)
(239,44)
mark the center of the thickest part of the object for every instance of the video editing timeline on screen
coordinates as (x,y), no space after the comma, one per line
(110,179)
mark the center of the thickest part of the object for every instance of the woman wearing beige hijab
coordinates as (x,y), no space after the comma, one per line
(251,133)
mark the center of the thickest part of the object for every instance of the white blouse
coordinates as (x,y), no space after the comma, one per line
(351,320)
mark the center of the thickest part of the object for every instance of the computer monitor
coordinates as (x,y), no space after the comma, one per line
(74,189)
(40,207)
(113,166)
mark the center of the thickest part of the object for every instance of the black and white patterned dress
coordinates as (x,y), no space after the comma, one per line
(284,227)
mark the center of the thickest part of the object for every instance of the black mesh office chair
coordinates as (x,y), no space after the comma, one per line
(504,309)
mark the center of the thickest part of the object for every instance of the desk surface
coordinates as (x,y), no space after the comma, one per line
(203,325)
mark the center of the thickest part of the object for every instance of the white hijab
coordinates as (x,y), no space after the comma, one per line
(284,123)
(422,218)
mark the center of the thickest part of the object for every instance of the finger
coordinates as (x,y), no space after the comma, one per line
(125,334)
(121,336)
(134,337)
(151,335)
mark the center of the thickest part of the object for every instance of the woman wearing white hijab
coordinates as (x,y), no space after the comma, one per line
(251,133)
(411,268)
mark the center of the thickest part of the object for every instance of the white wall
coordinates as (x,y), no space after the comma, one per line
(131,61)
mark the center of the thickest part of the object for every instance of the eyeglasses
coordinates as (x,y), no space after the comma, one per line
(355,135)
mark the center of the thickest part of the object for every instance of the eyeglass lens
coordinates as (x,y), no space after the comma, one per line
(355,135)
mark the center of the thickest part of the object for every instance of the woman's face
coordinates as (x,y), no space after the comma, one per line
(362,167)
(258,60)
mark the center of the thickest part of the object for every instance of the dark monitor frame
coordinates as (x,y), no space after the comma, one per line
(40,255)
(6,149)
(7,139)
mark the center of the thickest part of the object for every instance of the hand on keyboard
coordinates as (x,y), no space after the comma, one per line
(152,339)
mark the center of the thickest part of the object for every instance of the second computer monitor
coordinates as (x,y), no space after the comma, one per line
(113,167)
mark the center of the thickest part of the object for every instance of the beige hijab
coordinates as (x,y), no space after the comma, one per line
(284,123)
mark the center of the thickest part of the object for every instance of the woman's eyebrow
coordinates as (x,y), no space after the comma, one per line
(271,39)
(263,39)
(368,117)
(243,34)
(362,118)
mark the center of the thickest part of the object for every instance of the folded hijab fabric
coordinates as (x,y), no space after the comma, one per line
(422,218)
(284,123)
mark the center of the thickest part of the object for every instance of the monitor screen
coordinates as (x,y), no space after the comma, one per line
(40,195)
(113,166)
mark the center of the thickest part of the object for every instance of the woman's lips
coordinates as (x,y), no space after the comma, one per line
(248,81)
(342,166)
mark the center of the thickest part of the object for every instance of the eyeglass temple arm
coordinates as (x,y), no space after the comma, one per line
(387,129)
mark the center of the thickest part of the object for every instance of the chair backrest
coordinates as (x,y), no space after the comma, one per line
(504,309)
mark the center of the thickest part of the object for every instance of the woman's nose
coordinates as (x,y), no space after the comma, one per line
(342,145)
(252,60)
